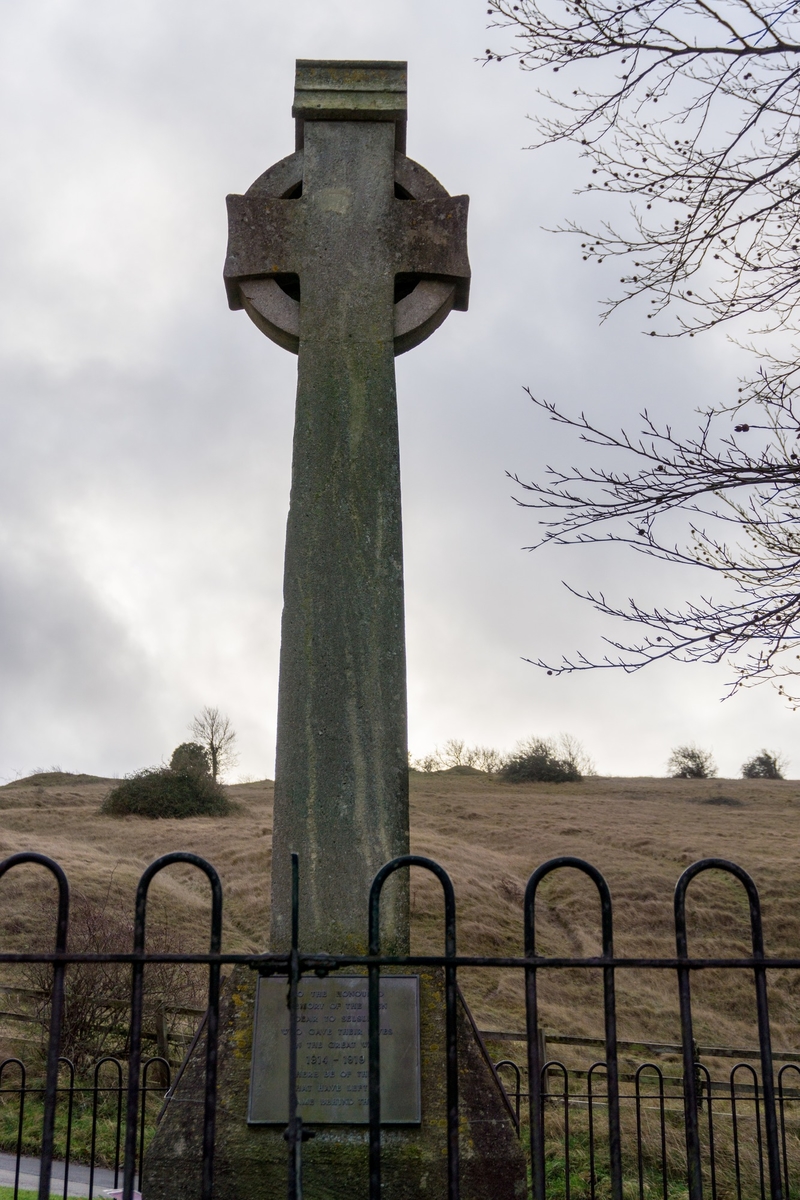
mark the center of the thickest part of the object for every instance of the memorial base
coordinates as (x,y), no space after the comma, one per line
(251,1161)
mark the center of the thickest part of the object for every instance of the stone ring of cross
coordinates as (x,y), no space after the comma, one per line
(421,305)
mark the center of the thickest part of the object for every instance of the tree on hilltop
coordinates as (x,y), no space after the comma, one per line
(214,732)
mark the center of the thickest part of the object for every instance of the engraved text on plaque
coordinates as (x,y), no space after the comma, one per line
(333,1051)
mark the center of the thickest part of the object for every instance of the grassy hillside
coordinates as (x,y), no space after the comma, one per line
(641,833)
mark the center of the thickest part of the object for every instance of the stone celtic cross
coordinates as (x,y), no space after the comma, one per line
(346,253)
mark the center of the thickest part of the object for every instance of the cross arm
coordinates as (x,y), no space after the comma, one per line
(261,241)
(432,241)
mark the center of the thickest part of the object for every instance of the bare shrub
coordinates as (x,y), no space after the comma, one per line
(486,758)
(97,995)
(547,760)
(766,765)
(456,753)
(690,762)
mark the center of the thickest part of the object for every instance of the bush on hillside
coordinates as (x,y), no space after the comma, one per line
(690,762)
(190,757)
(546,760)
(164,792)
(456,753)
(97,995)
(764,766)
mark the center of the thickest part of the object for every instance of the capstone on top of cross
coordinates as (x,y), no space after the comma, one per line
(424,242)
(337,90)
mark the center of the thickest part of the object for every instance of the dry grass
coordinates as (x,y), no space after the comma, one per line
(641,833)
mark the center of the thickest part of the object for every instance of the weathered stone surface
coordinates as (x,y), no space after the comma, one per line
(277,313)
(336,90)
(333,230)
(341,795)
(251,1161)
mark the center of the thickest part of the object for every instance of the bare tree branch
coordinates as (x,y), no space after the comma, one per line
(722,149)
(755,495)
(690,110)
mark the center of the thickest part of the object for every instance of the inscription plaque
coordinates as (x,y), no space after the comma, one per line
(333,1051)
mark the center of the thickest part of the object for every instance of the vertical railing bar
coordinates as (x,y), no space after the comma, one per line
(142,1116)
(93,1143)
(765,1046)
(135,1055)
(451,1029)
(782,1118)
(56,1009)
(95,1101)
(294,1129)
(756,1117)
(534,1064)
(146,1087)
(567,1184)
(590,1101)
(508,1062)
(374,973)
(7,1062)
(612,1067)
(20,1126)
(119,1122)
(68,1145)
(638,1103)
(703,1072)
(759,1140)
(648,1066)
(762,1008)
(663,1127)
(451,1014)
(693,1165)
(787,1067)
(735,1128)
(212,1038)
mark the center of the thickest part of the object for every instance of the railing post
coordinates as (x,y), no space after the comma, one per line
(56,1009)
(762,1013)
(535,1062)
(294,1130)
(451,1016)
(212,1022)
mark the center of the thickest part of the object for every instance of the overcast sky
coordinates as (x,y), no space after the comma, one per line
(146,433)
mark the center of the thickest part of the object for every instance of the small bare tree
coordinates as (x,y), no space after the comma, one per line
(486,758)
(214,732)
(456,753)
(97,995)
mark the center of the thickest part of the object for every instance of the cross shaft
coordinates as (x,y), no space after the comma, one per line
(341,786)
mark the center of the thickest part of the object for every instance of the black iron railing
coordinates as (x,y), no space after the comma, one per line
(100,1095)
(627,1119)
